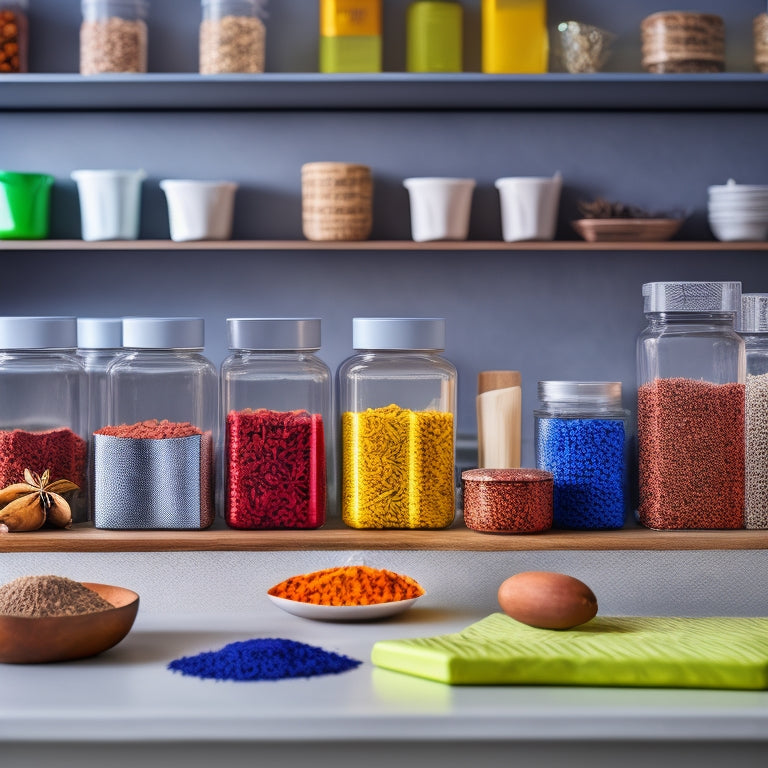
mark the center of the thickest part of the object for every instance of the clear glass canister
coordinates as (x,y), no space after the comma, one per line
(581,438)
(154,462)
(690,407)
(14,36)
(232,36)
(41,393)
(276,403)
(398,400)
(113,36)
(99,341)
(754,330)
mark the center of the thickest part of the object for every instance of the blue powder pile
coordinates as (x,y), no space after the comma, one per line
(586,458)
(263,659)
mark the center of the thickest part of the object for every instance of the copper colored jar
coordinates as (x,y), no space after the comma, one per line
(508,500)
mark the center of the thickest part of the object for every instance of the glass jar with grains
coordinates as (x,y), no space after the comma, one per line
(232,36)
(113,36)
(13,36)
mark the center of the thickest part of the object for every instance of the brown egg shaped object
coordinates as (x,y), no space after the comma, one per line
(547,600)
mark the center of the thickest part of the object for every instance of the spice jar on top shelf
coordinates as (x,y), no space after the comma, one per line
(232,37)
(276,403)
(113,36)
(690,407)
(398,401)
(14,36)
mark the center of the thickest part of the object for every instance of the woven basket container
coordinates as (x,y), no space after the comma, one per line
(676,41)
(760,28)
(336,201)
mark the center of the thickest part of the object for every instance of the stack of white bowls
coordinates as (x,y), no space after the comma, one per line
(738,211)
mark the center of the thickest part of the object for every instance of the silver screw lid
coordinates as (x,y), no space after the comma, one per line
(606,393)
(38,333)
(301,334)
(754,313)
(163,332)
(692,296)
(399,333)
(99,332)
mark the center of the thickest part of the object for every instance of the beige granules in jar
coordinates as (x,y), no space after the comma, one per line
(756,415)
(232,44)
(113,45)
(37,596)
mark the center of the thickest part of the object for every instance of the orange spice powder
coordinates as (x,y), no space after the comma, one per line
(348,585)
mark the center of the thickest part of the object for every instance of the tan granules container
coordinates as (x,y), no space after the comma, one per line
(337,201)
(760,31)
(232,37)
(113,36)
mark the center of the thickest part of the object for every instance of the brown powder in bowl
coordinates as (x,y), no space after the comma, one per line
(36,596)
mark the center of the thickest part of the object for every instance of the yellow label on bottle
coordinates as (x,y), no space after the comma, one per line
(350,18)
(515,38)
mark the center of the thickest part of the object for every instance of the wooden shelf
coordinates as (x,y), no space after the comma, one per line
(374,245)
(335,536)
(385,91)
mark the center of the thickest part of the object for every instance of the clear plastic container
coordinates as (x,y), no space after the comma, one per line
(276,410)
(113,36)
(154,463)
(397,397)
(581,438)
(42,387)
(691,372)
(99,341)
(14,36)
(232,36)
(753,328)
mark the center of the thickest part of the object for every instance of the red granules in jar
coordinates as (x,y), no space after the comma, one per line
(151,429)
(59,450)
(508,500)
(275,469)
(691,454)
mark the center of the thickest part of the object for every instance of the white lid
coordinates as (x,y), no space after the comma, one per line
(692,296)
(99,332)
(404,333)
(592,392)
(38,333)
(274,333)
(163,332)
(754,313)
(140,7)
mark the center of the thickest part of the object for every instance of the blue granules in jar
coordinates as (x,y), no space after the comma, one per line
(263,659)
(586,458)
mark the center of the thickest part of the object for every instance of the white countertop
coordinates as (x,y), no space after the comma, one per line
(127,694)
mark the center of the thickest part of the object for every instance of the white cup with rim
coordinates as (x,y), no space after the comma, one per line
(110,203)
(440,207)
(199,210)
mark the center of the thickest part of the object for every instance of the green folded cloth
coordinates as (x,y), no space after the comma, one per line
(625,651)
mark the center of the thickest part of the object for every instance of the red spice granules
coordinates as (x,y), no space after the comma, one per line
(691,453)
(275,469)
(508,500)
(59,450)
(151,429)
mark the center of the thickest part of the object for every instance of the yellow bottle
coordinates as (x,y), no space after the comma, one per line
(515,38)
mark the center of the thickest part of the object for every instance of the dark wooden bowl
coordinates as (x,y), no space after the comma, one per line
(27,640)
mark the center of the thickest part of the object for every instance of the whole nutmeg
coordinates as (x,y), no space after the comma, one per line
(547,600)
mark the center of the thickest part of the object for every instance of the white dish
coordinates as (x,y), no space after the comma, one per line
(343,612)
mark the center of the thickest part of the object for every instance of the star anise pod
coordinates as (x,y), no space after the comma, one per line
(29,505)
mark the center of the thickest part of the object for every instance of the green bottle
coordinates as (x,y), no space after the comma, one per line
(434,32)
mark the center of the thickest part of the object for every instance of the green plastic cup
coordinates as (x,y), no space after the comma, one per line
(24,205)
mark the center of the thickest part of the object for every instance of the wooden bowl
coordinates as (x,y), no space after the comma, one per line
(626,230)
(28,640)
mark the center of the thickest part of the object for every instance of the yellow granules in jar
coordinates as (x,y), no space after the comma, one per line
(397,468)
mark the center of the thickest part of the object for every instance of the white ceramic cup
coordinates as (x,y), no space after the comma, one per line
(440,207)
(529,206)
(110,202)
(199,210)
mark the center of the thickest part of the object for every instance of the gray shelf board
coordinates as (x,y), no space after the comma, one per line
(390,91)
